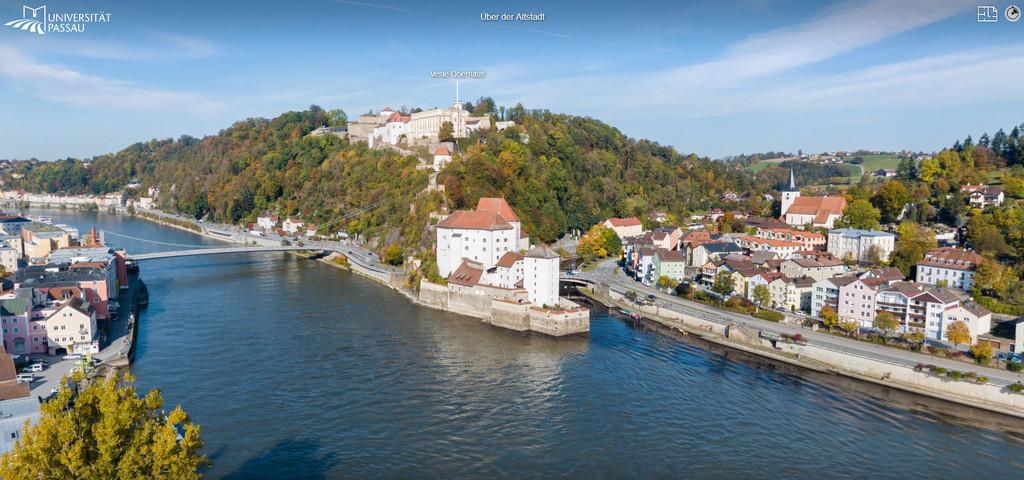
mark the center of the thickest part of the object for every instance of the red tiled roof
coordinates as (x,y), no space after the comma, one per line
(624,222)
(475,220)
(497,205)
(952,258)
(666,255)
(442,150)
(817,206)
(509,259)
(468,274)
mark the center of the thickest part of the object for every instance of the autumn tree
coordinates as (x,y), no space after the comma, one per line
(990,277)
(890,199)
(913,241)
(107,431)
(393,254)
(958,333)
(862,215)
(665,281)
(886,322)
(829,317)
(982,352)
(849,326)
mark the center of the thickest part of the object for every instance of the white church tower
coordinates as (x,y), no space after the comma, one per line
(540,275)
(789,194)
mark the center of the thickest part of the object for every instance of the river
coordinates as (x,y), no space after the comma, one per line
(296,369)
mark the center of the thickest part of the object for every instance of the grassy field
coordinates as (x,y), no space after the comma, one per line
(763,164)
(875,162)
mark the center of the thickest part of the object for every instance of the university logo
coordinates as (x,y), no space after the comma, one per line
(36,23)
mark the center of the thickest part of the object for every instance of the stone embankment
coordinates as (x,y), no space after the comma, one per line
(820,358)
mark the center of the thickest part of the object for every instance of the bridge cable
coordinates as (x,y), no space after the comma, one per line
(107,232)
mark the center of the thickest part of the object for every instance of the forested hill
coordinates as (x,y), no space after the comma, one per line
(560,172)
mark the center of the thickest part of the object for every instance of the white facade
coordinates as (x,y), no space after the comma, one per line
(266,222)
(9,258)
(540,276)
(478,244)
(292,226)
(857,244)
(73,329)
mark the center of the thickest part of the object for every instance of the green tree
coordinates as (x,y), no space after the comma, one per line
(913,241)
(886,322)
(107,431)
(762,296)
(874,256)
(446,133)
(958,333)
(890,199)
(861,214)
(724,283)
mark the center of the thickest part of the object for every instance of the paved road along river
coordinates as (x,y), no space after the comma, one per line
(296,369)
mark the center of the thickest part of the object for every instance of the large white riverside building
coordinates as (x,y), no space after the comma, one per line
(483,235)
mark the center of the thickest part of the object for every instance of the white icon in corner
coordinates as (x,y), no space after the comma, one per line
(1012,13)
(988,14)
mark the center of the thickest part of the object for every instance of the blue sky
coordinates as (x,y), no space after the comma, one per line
(715,78)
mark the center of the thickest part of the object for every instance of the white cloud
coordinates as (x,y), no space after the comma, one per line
(62,84)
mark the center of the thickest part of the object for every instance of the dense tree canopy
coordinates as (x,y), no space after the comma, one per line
(107,431)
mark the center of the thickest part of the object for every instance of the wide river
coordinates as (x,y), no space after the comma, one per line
(299,370)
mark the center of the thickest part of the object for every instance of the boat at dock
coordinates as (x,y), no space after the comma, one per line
(631,314)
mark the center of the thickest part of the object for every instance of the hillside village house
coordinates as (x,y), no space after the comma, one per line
(856,244)
(625,227)
(816,268)
(982,196)
(781,248)
(267,222)
(850,302)
(949,265)
(292,226)
(708,252)
(807,240)
(441,157)
(814,211)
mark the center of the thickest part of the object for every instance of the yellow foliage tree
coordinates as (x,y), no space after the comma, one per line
(958,333)
(107,431)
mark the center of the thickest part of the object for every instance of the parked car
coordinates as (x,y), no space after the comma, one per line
(652,297)
(73,356)
(36,367)
(25,377)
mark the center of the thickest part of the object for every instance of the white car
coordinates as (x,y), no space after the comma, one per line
(26,377)
(73,356)
(36,367)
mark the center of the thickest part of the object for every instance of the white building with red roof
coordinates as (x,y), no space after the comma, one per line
(816,211)
(950,265)
(482,235)
(442,156)
(625,227)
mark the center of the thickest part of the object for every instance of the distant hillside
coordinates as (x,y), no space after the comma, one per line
(570,173)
